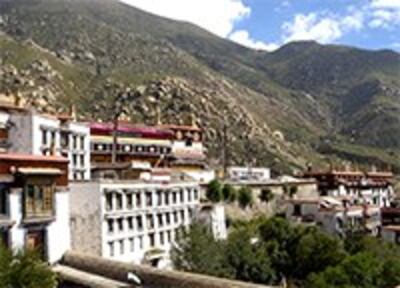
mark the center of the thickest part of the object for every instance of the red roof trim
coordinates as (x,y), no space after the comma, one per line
(30,157)
(144,131)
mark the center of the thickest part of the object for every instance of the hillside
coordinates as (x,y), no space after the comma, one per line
(303,99)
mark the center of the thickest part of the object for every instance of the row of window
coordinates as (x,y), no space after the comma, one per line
(137,223)
(130,148)
(37,200)
(360,191)
(81,158)
(49,138)
(115,200)
(132,244)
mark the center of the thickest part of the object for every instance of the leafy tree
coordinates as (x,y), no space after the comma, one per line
(361,270)
(24,269)
(245,197)
(197,251)
(229,193)
(316,251)
(214,191)
(266,195)
(305,257)
(282,239)
(234,195)
(248,258)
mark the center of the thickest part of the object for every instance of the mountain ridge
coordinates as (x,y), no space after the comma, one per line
(303,97)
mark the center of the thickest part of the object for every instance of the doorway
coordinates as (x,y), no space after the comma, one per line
(36,241)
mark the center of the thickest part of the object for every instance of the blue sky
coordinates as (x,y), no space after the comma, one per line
(268,24)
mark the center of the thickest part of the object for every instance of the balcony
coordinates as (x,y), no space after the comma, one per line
(38,203)
(134,150)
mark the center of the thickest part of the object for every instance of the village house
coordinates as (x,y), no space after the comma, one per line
(175,146)
(237,173)
(129,209)
(28,132)
(372,188)
(334,215)
(391,223)
(34,204)
(132,220)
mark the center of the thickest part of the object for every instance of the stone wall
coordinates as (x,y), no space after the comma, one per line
(85,218)
(305,189)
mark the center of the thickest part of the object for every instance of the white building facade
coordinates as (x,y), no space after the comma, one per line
(131,221)
(213,216)
(334,216)
(236,173)
(361,188)
(37,134)
(34,204)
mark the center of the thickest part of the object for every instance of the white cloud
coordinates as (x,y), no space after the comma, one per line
(384,13)
(354,21)
(311,27)
(284,5)
(243,37)
(391,4)
(217,16)
(322,27)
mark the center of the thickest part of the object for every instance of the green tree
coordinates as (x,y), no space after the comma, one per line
(229,193)
(249,258)
(214,191)
(197,251)
(282,239)
(316,251)
(24,269)
(266,195)
(361,270)
(245,197)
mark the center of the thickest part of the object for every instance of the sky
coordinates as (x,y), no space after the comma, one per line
(269,24)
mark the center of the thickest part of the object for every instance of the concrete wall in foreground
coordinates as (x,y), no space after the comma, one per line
(150,277)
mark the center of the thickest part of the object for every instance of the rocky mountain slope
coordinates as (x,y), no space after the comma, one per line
(301,103)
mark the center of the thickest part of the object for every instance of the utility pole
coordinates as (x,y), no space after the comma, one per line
(249,156)
(115,139)
(117,113)
(225,148)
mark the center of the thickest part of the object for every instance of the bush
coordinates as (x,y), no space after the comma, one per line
(214,191)
(245,197)
(266,195)
(292,191)
(229,193)
(24,269)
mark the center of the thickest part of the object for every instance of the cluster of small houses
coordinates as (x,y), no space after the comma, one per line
(68,185)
